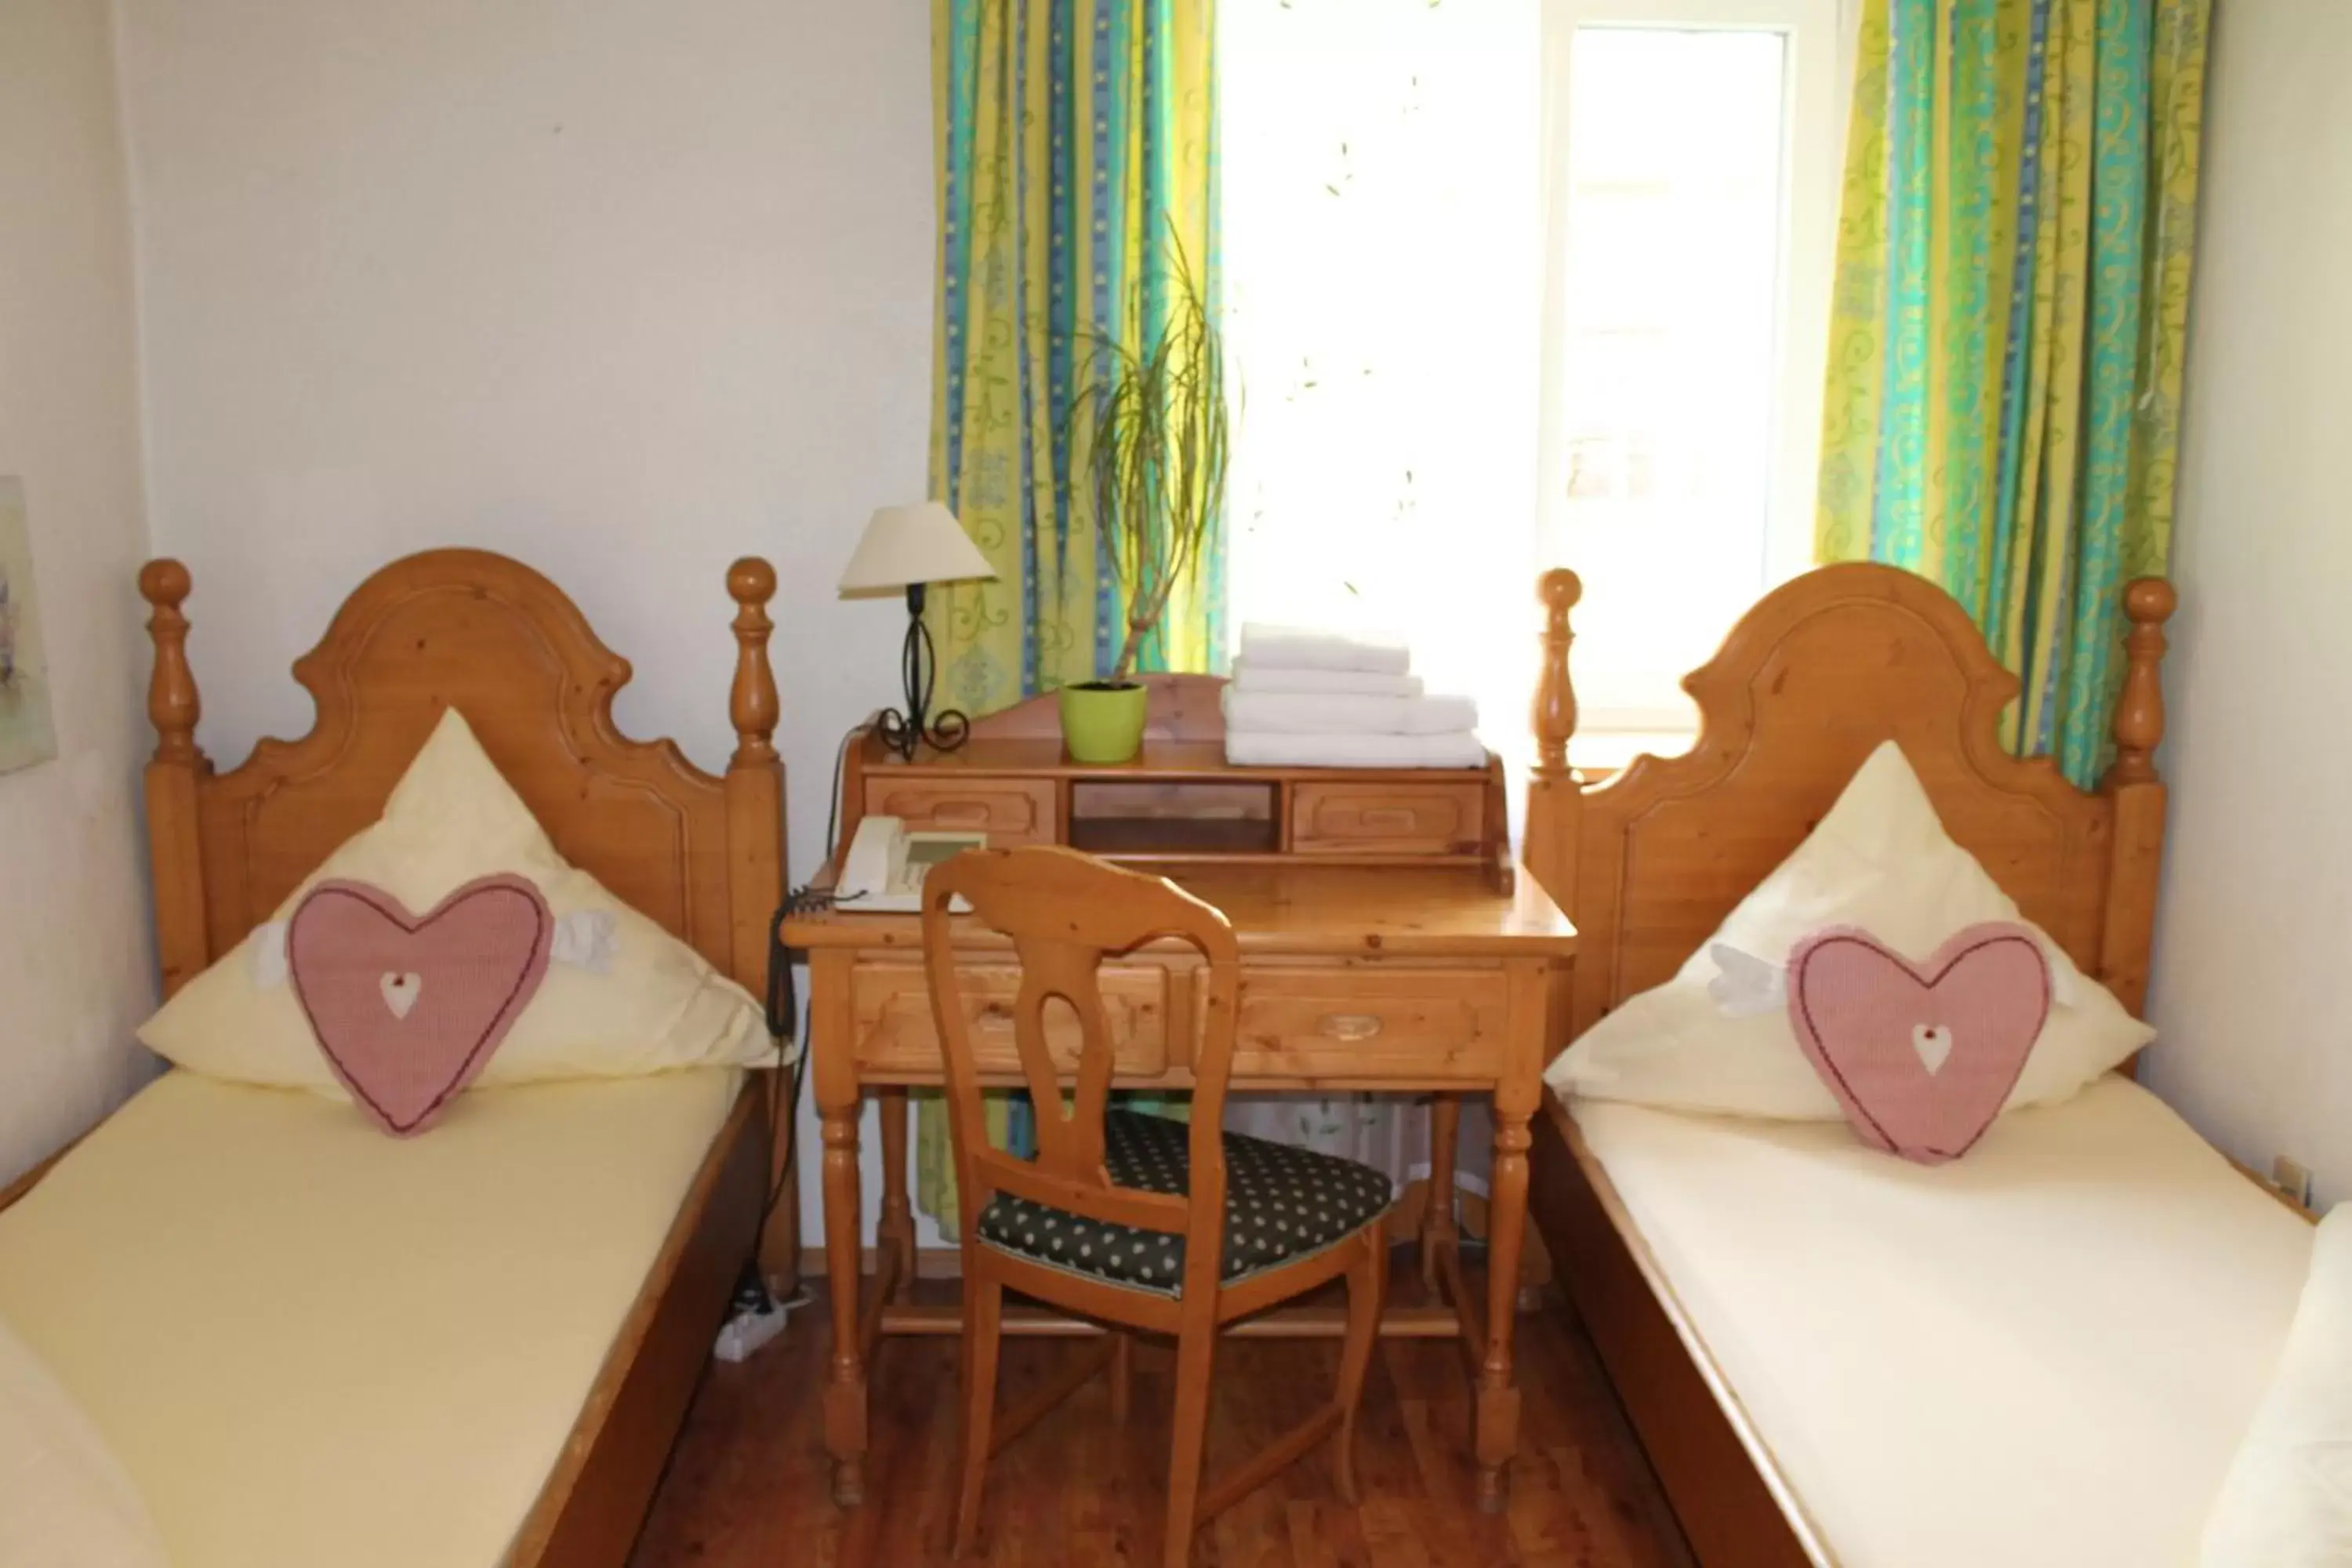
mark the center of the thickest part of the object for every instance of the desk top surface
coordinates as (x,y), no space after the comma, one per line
(1335,911)
(1030,757)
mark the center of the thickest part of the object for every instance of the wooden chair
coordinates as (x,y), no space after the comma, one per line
(1125,1217)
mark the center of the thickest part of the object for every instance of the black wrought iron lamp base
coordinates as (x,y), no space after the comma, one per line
(905,731)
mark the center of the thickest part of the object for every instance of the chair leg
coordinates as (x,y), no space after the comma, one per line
(1368,1283)
(1196,1356)
(1122,1374)
(984,1310)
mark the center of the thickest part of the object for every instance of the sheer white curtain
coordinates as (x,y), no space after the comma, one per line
(1383,274)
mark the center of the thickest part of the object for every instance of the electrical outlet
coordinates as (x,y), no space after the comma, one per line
(2291,1179)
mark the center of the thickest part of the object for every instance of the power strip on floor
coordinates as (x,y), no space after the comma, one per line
(753,1325)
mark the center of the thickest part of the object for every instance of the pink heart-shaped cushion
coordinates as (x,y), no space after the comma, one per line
(409,1008)
(1920,1056)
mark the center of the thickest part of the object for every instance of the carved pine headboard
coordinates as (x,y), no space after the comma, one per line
(1812,679)
(470,630)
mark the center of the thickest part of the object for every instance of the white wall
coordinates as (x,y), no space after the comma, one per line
(75,953)
(2253,967)
(625,289)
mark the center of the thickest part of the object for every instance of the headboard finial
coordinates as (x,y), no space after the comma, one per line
(173,705)
(1555,714)
(752,705)
(2148,603)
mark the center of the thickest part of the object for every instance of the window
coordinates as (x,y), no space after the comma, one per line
(1513,283)
(1692,183)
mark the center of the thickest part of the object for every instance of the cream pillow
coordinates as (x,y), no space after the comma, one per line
(1716,1037)
(65,1501)
(621,998)
(2286,1502)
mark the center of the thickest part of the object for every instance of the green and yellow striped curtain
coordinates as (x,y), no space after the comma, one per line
(1076,157)
(1076,147)
(2012,291)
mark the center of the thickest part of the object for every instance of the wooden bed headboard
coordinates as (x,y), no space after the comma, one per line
(1810,680)
(492,638)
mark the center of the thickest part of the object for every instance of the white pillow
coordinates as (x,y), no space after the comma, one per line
(2287,1500)
(1716,1037)
(623,998)
(65,1501)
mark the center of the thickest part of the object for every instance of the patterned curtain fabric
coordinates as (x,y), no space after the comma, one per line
(1076,153)
(2012,294)
(1077,146)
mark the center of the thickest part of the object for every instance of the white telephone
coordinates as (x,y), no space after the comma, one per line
(885,867)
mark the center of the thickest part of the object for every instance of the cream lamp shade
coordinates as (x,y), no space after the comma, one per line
(903,545)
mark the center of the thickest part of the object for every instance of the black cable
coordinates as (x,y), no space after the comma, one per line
(833,799)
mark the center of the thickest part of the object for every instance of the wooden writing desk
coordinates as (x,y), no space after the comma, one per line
(1445,976)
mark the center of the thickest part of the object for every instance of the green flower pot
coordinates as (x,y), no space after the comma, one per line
(1101,722)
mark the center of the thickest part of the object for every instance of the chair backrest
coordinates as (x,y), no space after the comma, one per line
(1063,911)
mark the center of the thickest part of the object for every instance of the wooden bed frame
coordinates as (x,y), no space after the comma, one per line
(702,854)
(1649,862)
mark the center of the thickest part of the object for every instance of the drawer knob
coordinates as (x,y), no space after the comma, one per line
(961,812)
(1349,1025)
(1392,818)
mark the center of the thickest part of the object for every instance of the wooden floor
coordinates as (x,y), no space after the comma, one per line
(749,1484)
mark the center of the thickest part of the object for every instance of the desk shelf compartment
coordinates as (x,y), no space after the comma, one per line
(1176,819)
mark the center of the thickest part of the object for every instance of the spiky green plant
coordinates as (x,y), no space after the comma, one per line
(1147,436)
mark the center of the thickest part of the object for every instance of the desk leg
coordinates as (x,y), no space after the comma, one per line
(1437,1226)
(1516,1098)
(1498,1393)
(896,1236)
(838,1103)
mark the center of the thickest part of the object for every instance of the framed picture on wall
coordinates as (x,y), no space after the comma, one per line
(26,735)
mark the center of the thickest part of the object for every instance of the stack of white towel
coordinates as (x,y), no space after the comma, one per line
(1310,698)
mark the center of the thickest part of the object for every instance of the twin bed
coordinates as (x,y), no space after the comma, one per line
(2043,1353)
(309,1343)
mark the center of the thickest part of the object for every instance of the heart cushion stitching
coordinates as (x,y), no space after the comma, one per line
(313,941)
(2003,1051)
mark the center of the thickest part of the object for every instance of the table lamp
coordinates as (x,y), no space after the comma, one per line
(909,547)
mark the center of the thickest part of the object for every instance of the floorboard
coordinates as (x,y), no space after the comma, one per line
(749,1483)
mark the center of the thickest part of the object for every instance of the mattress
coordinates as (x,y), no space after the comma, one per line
(309,1343)
(2043,1354)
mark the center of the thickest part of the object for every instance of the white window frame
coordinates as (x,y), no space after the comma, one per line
(1813,123)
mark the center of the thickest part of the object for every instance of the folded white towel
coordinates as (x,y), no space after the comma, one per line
(1258,748)
(1303,647)
(1342,714)
(1252,677)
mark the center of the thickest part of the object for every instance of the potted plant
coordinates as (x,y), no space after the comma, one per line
(1148,438)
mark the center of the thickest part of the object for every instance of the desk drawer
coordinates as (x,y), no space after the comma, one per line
(890,1008)
(1338,1023)
(1010,811)
(1387,819)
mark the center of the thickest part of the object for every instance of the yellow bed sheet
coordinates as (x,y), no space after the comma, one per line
(310,1343)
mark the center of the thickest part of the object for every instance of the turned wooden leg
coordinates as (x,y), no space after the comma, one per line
(844,1386)
(839,1101)
(1437,1228)
(896,1233)
(1498,1396)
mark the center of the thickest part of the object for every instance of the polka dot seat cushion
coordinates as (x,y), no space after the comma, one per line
(1281,1203)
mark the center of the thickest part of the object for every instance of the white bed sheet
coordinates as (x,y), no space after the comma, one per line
(2043,1354)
